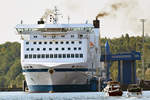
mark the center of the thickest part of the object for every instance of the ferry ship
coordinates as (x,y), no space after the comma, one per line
(59,57)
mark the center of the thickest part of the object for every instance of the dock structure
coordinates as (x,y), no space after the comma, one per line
(126,65)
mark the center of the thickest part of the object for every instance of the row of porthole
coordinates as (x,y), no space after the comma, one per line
(56,42)
(44,49)
(34,56)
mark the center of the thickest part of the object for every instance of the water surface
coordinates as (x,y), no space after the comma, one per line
(68,96)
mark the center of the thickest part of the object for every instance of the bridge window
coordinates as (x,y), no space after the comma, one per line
(27,42)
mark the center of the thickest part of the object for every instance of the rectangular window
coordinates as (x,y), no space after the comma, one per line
(47,55)
(68,55)
(38,56)
(34,55)
(64,55)
(27,42)
(25,56)
(72,55)
(60,56)
(77,55)
(43,55)
(55,55)
(81,55)
(51,55)
(30,56)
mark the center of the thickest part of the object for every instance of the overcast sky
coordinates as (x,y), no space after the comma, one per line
(113,25)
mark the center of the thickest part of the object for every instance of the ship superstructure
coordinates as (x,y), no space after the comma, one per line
(59,57)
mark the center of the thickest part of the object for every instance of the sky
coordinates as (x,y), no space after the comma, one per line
(120,19)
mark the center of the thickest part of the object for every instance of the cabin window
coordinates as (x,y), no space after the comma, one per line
(72,36)
(80,42)
(56,48)
(62,48)
(79,48)
(50,48)
(35,36)
(61,42)
(44,49)
(34,42)
(27,49)
(67,42)
(50,42)
(38,49)
(75,48)
(69,48)
(40,42)
(72,42)
(32,49)
(56,42)
(45,42)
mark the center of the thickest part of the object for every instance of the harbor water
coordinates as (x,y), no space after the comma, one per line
(68,96)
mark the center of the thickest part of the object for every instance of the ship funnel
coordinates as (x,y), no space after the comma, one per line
(41,21)
(96,23)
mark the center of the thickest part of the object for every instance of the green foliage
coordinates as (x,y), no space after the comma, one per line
(10,67)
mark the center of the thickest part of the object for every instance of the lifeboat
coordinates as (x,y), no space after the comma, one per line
(113,89)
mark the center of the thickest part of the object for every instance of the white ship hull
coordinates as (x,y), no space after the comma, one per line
(57,79)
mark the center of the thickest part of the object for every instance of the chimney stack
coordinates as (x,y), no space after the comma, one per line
(96,23)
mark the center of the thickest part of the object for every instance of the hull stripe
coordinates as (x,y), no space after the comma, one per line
(59,70)
(60,88)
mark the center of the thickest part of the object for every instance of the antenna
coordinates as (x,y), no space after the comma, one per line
(68,19)
(56,15)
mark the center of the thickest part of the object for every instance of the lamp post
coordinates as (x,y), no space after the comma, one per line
(143,68)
